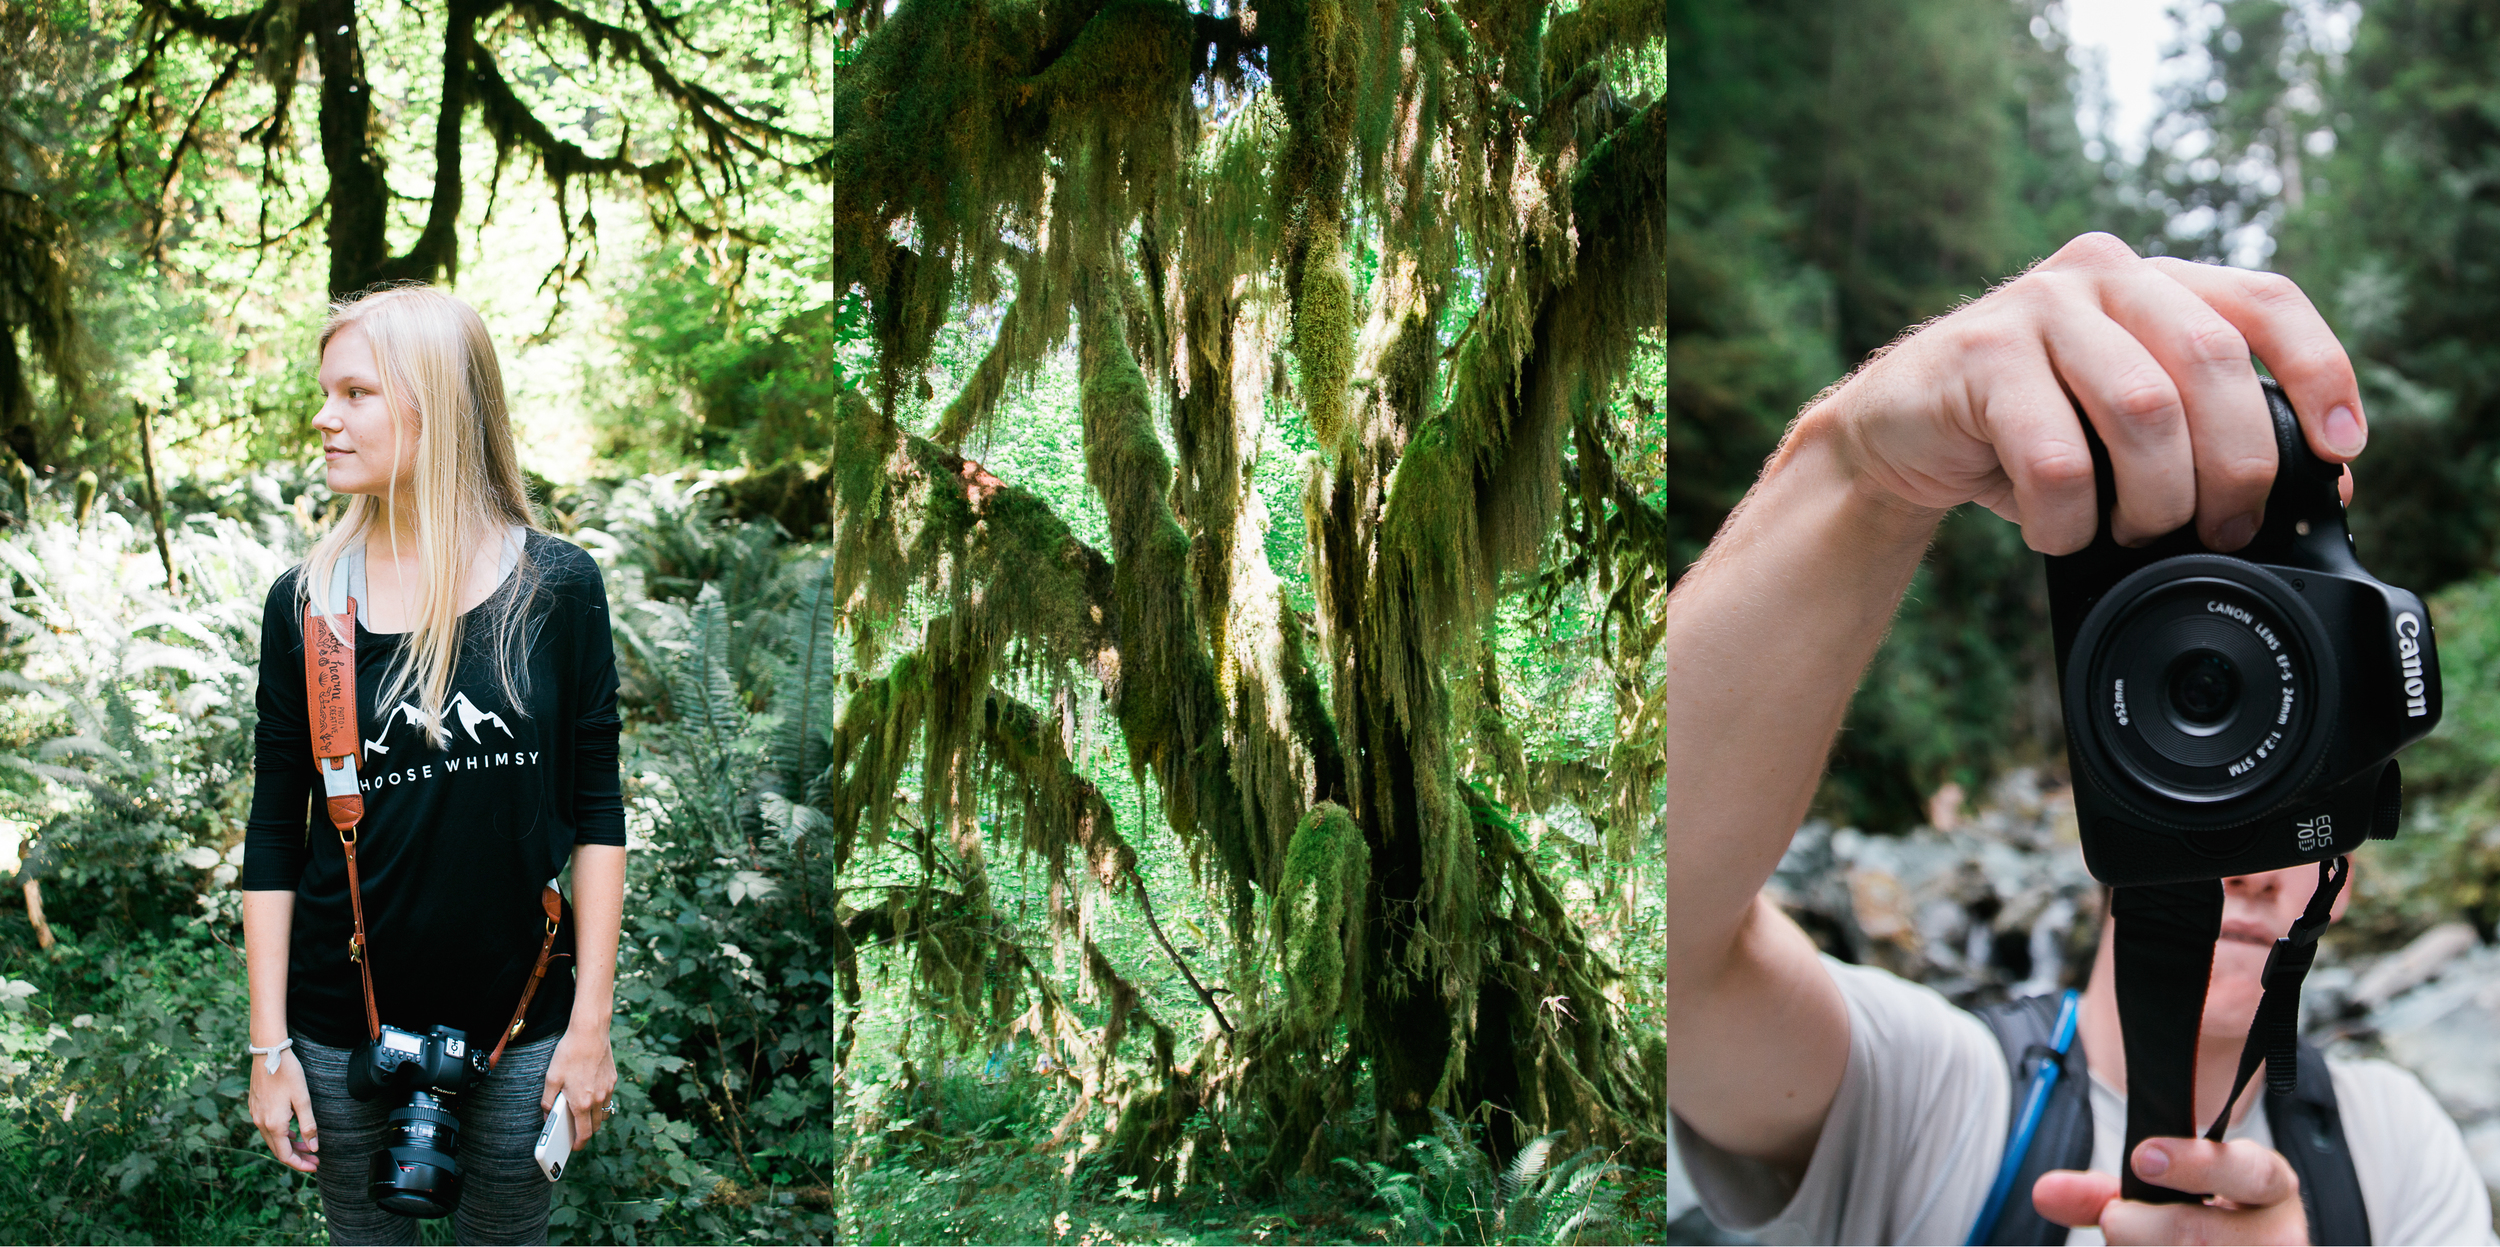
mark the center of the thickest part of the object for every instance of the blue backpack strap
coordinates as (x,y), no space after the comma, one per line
(2060,1122)
(2309,1132)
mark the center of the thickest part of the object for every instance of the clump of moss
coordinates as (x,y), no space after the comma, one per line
(1319,916)
(1323,331)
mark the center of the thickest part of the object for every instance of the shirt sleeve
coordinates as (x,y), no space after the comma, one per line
(598,795)
(2417,1179)
(274,851)
(1910,1146)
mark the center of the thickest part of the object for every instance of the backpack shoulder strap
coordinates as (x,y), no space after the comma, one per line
(2024,1030)
(2309,1132)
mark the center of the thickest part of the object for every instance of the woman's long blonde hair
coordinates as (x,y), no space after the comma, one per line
(435,359)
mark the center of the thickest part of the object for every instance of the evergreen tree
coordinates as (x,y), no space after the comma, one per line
(2392,229)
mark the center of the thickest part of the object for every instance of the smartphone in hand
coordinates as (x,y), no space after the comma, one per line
(555,1140)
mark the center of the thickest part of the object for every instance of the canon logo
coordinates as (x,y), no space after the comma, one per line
(2409,662)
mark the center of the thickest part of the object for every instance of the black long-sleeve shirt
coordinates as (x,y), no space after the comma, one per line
(455,841)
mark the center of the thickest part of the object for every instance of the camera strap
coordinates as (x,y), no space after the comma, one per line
(2161,1008)
(330,697)
(2164,946)
(553,902)
(330,691)
(2274,1036)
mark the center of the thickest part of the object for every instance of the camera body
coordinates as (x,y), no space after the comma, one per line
(2228,714)
(416,1172)
(440,1060)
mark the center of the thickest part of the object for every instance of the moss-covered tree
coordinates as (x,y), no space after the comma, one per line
(1431,235)
(708,142)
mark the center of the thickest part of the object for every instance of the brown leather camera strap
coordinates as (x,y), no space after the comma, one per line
(330,694)
(553,902)
(330,691)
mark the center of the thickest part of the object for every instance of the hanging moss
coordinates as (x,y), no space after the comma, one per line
(1057,144)
(1034,325)
(1168,704)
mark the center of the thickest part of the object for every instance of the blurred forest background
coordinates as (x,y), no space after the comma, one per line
(1842,172)
(1137,531)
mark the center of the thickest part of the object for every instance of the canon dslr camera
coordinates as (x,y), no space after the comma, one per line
(2233,713)
(415,1173)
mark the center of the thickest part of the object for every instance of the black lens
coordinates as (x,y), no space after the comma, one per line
(414,1173)
(2204,687)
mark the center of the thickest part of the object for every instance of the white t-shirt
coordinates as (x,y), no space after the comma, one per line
(1918,1126)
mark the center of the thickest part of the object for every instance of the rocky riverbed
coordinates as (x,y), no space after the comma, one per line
(1993,903)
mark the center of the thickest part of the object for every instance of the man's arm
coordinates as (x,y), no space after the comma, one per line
(1766,639)
(1768,635)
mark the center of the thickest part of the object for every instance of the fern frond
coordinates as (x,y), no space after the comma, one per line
(802,745)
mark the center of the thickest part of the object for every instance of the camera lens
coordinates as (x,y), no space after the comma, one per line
(414,1172)
(2204,690)
(2196,691)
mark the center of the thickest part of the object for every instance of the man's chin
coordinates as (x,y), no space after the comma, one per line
(2231,996)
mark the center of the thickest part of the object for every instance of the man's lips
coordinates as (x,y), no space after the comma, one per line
(2246,932)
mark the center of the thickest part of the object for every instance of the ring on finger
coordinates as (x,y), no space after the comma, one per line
(608,1109)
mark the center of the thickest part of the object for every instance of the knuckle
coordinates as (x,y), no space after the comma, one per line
(2144,402)
(1987,339)
(2096,248)
(2212,340)
(2244,473)
(2275,291)
(2061,469)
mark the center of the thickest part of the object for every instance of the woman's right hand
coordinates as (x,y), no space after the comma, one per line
(278,1099)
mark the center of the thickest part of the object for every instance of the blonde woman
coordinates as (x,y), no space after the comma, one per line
(486,697)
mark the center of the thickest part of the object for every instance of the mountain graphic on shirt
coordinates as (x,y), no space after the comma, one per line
(464,712)
(470,716)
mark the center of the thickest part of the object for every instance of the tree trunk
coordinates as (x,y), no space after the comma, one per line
(360,193)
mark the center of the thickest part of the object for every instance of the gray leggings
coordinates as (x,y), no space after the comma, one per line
(504,1197)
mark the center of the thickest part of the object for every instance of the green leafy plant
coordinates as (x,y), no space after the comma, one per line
(1456,1194)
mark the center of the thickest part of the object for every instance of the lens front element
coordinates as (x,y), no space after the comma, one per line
(2202,678)
(2204,692)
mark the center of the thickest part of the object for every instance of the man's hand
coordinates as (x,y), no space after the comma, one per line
(275,1100)
(2256,1196)
(1974,407)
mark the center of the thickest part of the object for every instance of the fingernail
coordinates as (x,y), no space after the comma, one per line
(2152,1160)
(2235,532)
(2343,431)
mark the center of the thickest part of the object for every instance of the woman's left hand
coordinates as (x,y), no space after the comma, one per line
(584,1069)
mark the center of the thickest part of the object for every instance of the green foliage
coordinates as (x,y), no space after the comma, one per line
(1456,1193)
(2377,149)
(123,1094)
(2447,861)
(742,385)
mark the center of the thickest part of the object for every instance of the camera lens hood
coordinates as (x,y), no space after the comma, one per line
(2199,693)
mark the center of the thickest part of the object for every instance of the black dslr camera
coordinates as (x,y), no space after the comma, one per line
(2229,714)
(415,1173)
